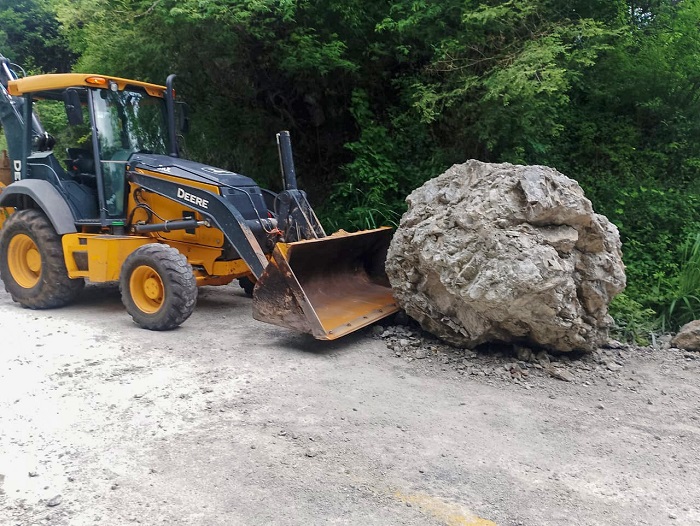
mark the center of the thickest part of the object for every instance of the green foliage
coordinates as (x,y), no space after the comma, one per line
(360,200)
(654,222)
(634,323)
(382,172)
(682,293)
(498,73)
(31,36)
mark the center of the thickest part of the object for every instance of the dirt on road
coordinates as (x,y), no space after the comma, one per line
(228,421)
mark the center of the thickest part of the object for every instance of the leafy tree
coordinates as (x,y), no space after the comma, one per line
(30,35)
(632,141)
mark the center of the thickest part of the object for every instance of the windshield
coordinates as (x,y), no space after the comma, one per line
(130,120)
(127,122)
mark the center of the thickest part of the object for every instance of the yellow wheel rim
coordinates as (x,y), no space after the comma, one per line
(147,289)
(24,261)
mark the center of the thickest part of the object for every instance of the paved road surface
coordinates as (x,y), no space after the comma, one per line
(228,421)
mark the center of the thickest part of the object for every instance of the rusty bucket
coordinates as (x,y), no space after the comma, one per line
(327,287)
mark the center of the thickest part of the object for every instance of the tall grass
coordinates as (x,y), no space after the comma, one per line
(684,302)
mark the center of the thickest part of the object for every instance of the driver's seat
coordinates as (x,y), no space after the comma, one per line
(81,166)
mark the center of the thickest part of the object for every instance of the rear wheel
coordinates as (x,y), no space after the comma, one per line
(247,285)
(31,262)
(158,287)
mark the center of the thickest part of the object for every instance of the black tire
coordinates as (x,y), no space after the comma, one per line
(247,285)
(158,287)
(31,262)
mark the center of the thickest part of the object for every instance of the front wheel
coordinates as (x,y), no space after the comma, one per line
(31,262)
(158,287)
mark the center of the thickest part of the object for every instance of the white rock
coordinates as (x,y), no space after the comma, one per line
(498,252)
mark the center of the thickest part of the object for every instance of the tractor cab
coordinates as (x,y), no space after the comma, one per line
(94,125)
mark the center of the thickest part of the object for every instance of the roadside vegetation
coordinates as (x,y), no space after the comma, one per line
(381,96)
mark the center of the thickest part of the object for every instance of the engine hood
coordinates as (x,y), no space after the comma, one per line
(189,170)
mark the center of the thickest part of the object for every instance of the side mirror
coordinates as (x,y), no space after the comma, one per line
(74,111)
(182,115)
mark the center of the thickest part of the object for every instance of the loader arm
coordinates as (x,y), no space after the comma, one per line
(217,210)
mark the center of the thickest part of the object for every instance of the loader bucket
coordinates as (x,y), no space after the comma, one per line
(327,287)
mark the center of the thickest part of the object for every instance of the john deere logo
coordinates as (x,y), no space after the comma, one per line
(186,196)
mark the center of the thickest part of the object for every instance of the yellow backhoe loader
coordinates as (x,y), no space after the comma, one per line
(123,206)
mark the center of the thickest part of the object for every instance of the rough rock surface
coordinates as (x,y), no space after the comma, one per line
(499,252)
(688,336)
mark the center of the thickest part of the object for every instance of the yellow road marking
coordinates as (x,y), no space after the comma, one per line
(449,513)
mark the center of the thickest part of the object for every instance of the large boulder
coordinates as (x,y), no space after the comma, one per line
(499,252)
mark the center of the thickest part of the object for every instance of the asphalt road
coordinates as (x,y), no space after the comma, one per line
(228,421)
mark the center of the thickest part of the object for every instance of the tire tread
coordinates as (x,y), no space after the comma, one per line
(56,289)
(182,286)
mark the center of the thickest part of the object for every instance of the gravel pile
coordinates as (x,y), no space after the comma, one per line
(525,366)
